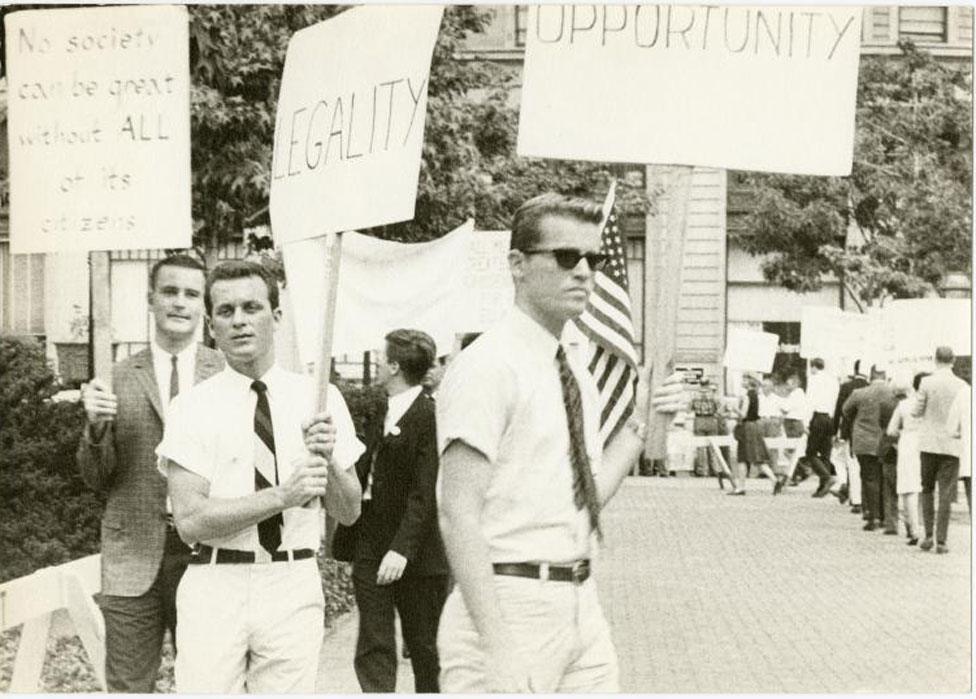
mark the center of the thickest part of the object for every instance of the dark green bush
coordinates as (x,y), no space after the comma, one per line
(49,515)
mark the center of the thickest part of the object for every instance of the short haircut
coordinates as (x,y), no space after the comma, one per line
(179,260)
(240,269)
(917,381)
(525,223)
(944,355)
(413,351)
(818,363)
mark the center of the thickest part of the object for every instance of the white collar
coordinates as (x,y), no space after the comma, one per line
(161,356)
(533,334)
(397,406)
(271,378)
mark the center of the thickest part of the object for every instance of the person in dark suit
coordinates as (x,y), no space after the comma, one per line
(142,556)
(395,547)
(853,488)
(868,411)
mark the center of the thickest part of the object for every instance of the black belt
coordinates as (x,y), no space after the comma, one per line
(206,554)
(576,573)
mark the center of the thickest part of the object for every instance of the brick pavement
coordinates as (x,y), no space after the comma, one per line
(707,593)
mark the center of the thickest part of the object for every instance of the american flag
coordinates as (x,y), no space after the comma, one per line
(607,322)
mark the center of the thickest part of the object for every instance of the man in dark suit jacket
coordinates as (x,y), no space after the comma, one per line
(143,558)
(396,549)
(868,410)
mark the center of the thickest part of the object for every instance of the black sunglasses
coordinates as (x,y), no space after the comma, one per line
(568,258)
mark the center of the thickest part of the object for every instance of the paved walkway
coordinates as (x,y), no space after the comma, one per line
(708,593)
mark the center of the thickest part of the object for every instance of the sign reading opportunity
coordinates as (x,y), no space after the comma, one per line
(753,88)
(99,129)
(350,121)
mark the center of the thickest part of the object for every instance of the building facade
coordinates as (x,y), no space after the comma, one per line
(722,286)
(46,295)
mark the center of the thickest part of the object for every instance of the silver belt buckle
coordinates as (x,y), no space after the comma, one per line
(577,572)
(262,556)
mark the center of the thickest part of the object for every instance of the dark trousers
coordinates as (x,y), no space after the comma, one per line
(135,626)
(819,442)
(889,493)
(943,469)
(870,485)
(418,599)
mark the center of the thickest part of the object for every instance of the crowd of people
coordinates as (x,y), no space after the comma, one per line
(886,445)
(473,514)
(216,464)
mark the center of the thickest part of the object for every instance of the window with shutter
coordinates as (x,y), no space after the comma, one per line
(922,24)
(22,291)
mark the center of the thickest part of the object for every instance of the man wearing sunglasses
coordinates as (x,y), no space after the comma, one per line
(524,475)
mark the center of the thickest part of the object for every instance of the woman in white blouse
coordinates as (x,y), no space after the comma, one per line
(908,476)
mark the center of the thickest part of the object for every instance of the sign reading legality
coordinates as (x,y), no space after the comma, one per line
(99,129)
(350,121)
(750,88)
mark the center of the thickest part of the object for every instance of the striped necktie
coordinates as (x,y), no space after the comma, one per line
(265,466)
(584,487)
(174,378)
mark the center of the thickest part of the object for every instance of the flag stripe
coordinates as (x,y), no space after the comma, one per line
(608,323)
(612,317)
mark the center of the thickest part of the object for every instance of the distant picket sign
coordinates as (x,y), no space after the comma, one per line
(350,121)
(750,350)
(99,129)
(901,336)
(749,88)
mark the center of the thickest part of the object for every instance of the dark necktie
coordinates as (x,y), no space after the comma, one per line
(584,487)
(265,466)
(174,378)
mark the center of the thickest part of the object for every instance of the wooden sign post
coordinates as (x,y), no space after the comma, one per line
(669,188)
(100,311)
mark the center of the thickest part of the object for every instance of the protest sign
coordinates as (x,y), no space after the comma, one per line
(749,88)
(458,283)
(99,129)
(750,350)
(911,329)
(841,337)
(350,121)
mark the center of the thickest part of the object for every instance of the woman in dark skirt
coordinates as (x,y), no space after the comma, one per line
(749,436)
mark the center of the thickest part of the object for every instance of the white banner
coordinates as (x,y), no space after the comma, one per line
(350,121)
(901,337)
(458,283)
(746,88)
(99,129)
(750,350)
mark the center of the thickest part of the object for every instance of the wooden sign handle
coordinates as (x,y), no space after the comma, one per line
(100,309)
(670,187)
(324,367)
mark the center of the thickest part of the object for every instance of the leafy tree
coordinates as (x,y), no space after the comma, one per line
(50,516)
(905,211)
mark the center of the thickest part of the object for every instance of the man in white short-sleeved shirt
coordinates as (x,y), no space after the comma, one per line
(247,459)
(523,475)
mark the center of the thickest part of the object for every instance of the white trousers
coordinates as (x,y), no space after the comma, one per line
(252,627)
(557,627)
(848,470)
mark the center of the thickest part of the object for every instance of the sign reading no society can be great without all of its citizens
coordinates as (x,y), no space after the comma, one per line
(99,129)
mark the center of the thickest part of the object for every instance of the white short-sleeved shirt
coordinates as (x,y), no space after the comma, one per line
(502,397)
(210,432)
